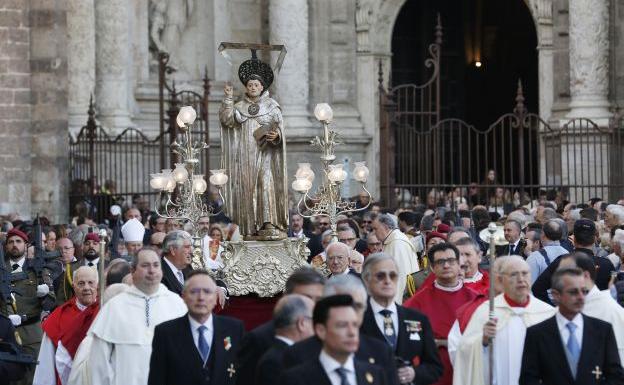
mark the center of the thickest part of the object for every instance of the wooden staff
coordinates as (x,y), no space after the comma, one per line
(102,279)
(492,230)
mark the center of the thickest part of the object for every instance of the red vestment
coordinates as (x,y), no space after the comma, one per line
(481,286)
(440,307)
(464,313)
(69,325)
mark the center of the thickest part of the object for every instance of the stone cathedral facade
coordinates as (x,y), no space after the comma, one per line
(55,54)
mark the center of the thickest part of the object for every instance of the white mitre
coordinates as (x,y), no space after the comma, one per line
(133,231)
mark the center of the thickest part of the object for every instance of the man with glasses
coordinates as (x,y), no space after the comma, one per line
(63,283)
(408,332)
(339,259)
(374,244)
(514,311)
(440,301)
(199,347)
(347,236)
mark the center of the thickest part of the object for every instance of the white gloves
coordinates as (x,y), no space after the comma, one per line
(42,290)
(16,320)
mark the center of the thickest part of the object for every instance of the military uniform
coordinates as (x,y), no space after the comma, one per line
(9,371)
(30,307)
(63,289)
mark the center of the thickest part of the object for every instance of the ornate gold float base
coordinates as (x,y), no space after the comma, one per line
(262,267)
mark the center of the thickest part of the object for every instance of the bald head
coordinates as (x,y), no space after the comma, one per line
(85,281)
(338,257)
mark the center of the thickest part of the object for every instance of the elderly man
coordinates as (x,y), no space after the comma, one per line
(133,232)
(66,327)
(63,287)
(373,243)
(132,213)
(336,325)
(440,301)
(370,349)
(357,260)
(339,259)
(408,332)
(614,216)
(470,255)
(538,261)
(122,333)
(175,263)
(292,318)
(199,347)
(396,244)
(515,310)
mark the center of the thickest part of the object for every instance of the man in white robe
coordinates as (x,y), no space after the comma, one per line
(122,333)
(514,311)
(396,244)
(598,304)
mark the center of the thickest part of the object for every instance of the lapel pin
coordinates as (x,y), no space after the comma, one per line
(369,378)
(227,343)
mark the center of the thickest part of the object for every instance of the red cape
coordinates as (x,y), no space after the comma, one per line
(465,312)
(69,325)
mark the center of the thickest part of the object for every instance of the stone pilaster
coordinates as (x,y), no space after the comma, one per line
(589,54)
(81,63)
(112,56)
(288,21)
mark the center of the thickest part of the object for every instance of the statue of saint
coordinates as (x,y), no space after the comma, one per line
(254,155)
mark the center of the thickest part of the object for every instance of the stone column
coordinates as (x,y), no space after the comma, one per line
(112,57)
(80,61)
(589,54)
(288,22)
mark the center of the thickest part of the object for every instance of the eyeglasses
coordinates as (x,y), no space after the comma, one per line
(345,240)
(517,274)
(382,275)
(442,262)
(323,224)
(67,247)
(197,290)
(367,221)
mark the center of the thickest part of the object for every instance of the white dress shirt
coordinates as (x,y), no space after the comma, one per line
(94,262)
(565,332)
(208,333)
(177,272)
(330,365)
(379,319)
(285,340)
(20,262)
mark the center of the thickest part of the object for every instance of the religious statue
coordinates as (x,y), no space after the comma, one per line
(254,155)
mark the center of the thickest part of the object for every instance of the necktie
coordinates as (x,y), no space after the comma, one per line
(388,327)
(342,372)
(574,350)
(90,264)
(15,266)
(202,345)
(180,277)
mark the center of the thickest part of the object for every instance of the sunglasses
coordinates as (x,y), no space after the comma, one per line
(383,275)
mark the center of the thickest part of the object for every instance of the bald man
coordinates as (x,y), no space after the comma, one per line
(339,259)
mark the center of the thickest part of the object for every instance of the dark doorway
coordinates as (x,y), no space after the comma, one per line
(499,34)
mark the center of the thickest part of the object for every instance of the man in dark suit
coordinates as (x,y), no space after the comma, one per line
(90,251)
(406,331)
(336,324)
(63,282)
(570,348)
(370,349)
(305,281)
(297,230)
(292,318)
(199,347)
(512,231)
(339,259)
(176,261)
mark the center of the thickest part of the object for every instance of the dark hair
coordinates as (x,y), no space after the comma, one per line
(589,213)
(303,276)
(410,218)
(193,273)
(117,271)
(584,238)
(323,306)
(441,247)
(256,77)
(481,218)
(553,230)
(585,263)
(556,282)
(594,200)
(534,226)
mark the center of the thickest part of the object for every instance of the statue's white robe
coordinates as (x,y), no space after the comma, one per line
(121,343)
(471,358)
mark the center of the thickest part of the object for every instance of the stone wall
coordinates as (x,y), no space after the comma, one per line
(15,108)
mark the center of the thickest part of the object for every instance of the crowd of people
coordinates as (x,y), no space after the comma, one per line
(394,296)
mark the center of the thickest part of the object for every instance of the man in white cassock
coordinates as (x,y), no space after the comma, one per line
(133,232)
(122,333)
(598,304)
(514,311)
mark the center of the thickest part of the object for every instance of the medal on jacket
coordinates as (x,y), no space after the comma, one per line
(253,108)
(388,327)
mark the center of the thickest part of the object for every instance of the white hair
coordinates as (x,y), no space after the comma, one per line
(617,211)
(356,256)
(344,284)
(618,238)
(84,268)
(388,220)
(575,214)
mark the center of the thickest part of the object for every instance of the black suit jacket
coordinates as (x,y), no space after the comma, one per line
(270,365)
(314,242)
(429,367)
(370,350)
(9,371)
(312,373)
(175,359)
(544,359)
(170,280)
(351,272)
(504,250)
(254,345)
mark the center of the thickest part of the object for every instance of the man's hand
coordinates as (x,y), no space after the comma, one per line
(406,374)
(42,290)
(228,90)
(16,320)
(221,297)
(489,331)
